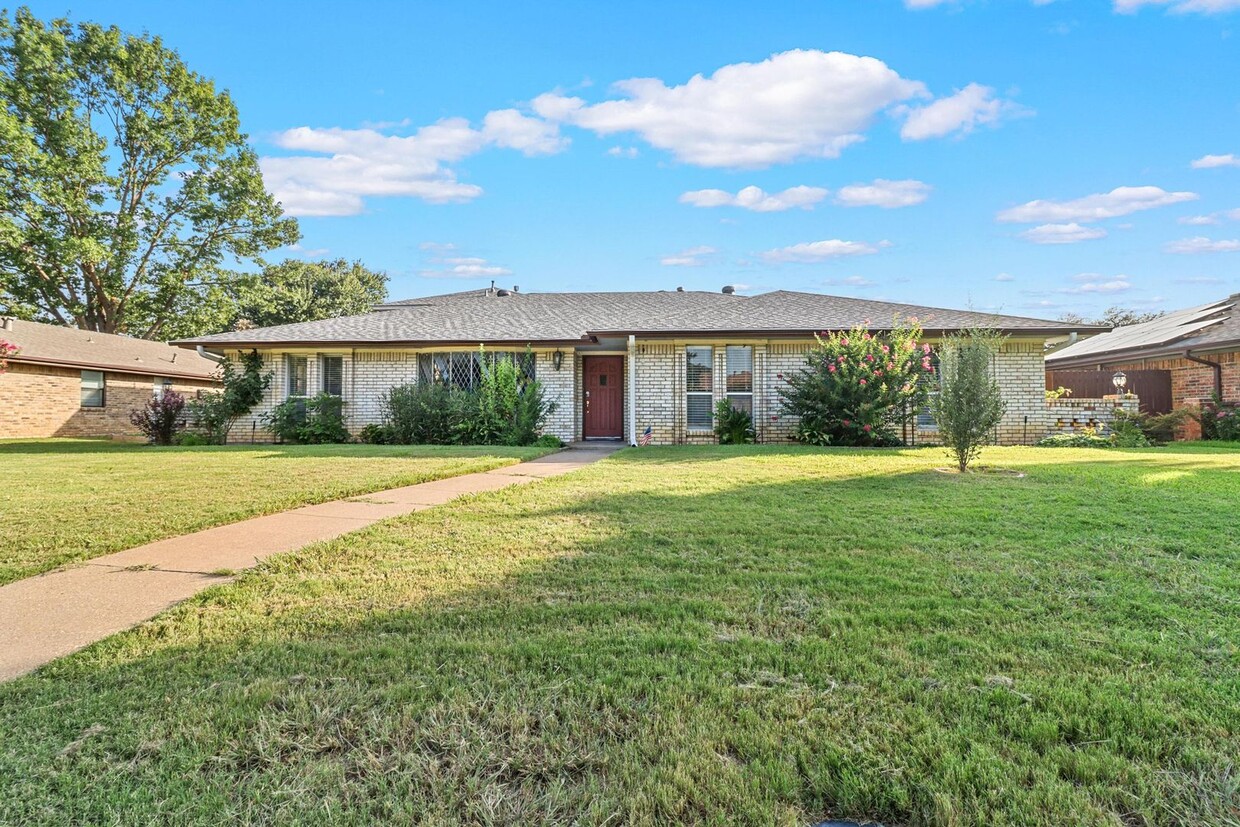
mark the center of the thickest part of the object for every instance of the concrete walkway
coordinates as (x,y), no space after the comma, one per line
(48,616)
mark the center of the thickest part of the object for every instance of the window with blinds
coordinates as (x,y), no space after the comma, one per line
(699,391)
(297,375)
(93,387)
(333,375)
(739,367)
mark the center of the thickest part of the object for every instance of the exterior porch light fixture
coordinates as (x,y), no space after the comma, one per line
(557,359)
(1119,380)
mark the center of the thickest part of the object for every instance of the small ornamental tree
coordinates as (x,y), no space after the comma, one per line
(215,414)
(160,419)
(858,387)
(969,404)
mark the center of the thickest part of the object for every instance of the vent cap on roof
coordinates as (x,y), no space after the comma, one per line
(729,289)
(501,292)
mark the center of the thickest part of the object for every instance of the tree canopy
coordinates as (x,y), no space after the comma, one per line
(1113,317)
(303,291)
(125,181)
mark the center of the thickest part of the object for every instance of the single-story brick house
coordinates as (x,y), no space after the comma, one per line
(76,383)
(1199,347)
(618,363)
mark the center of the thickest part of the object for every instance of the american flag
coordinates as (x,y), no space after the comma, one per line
(646,436)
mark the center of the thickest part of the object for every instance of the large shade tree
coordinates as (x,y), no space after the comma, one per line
(125,181)
(304,291)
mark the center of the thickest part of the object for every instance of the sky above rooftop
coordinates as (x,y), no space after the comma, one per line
(1024,156)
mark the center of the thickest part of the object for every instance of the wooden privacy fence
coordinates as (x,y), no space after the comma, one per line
(1152,386)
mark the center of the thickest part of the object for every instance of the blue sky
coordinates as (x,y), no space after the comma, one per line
(1029,157)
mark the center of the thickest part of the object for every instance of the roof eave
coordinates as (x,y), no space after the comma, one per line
(1132,354)
(108,367)
(370,343)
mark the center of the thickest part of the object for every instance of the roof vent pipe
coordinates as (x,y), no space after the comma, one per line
(729,290)
(680,289)
(6,322)
(516,289)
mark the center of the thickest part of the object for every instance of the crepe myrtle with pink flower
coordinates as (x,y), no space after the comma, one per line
(859,387)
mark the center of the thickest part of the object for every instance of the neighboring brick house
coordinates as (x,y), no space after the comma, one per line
(76,383)
(618,363)
(1199,347)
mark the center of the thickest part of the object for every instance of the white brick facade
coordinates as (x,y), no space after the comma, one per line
(659,380)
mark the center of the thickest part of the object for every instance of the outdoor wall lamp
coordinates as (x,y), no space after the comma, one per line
(557,359)
(1119,380)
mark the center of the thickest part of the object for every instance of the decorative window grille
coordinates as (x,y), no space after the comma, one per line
(463,369)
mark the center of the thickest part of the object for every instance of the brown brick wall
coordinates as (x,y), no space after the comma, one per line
(1193,383)
(41,401)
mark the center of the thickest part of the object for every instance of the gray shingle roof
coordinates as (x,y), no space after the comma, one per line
(1208,326)
(483,316)
(69,346)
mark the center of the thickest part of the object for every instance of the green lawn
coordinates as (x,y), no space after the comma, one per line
(68,500)
(691,635)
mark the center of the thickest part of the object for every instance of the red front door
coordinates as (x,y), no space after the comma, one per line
(603,397)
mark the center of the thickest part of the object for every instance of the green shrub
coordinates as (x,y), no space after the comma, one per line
(859,388)
(313,421)
(1088,438)
(507,408)
(428,413)
(188,439)
(1156,428)
(1220,420)
(733,426)
(549,441)
(969,404)
(378,435)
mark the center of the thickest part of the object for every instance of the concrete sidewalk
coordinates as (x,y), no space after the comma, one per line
(48,616)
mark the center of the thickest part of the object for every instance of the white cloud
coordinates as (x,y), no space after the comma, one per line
(1201,244)
(1212,161)
(1198,220)
(1117,202)
(456,266)
(1062,233)
(336,169)
(513,130)
(851,281)
(796,104)
(623,152)
(692,257)
(308,252)
(813,251)
(970,107)
(884,193)
(1005,277)
(756,199)
(1179,6)
(1095,283)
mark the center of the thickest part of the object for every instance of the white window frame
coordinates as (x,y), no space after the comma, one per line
(323,358)
(290,361)
(101,387)
(709,394)
(731,394)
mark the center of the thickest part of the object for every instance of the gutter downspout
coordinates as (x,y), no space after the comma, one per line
(632,390)
(202,351)
(1218,371)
